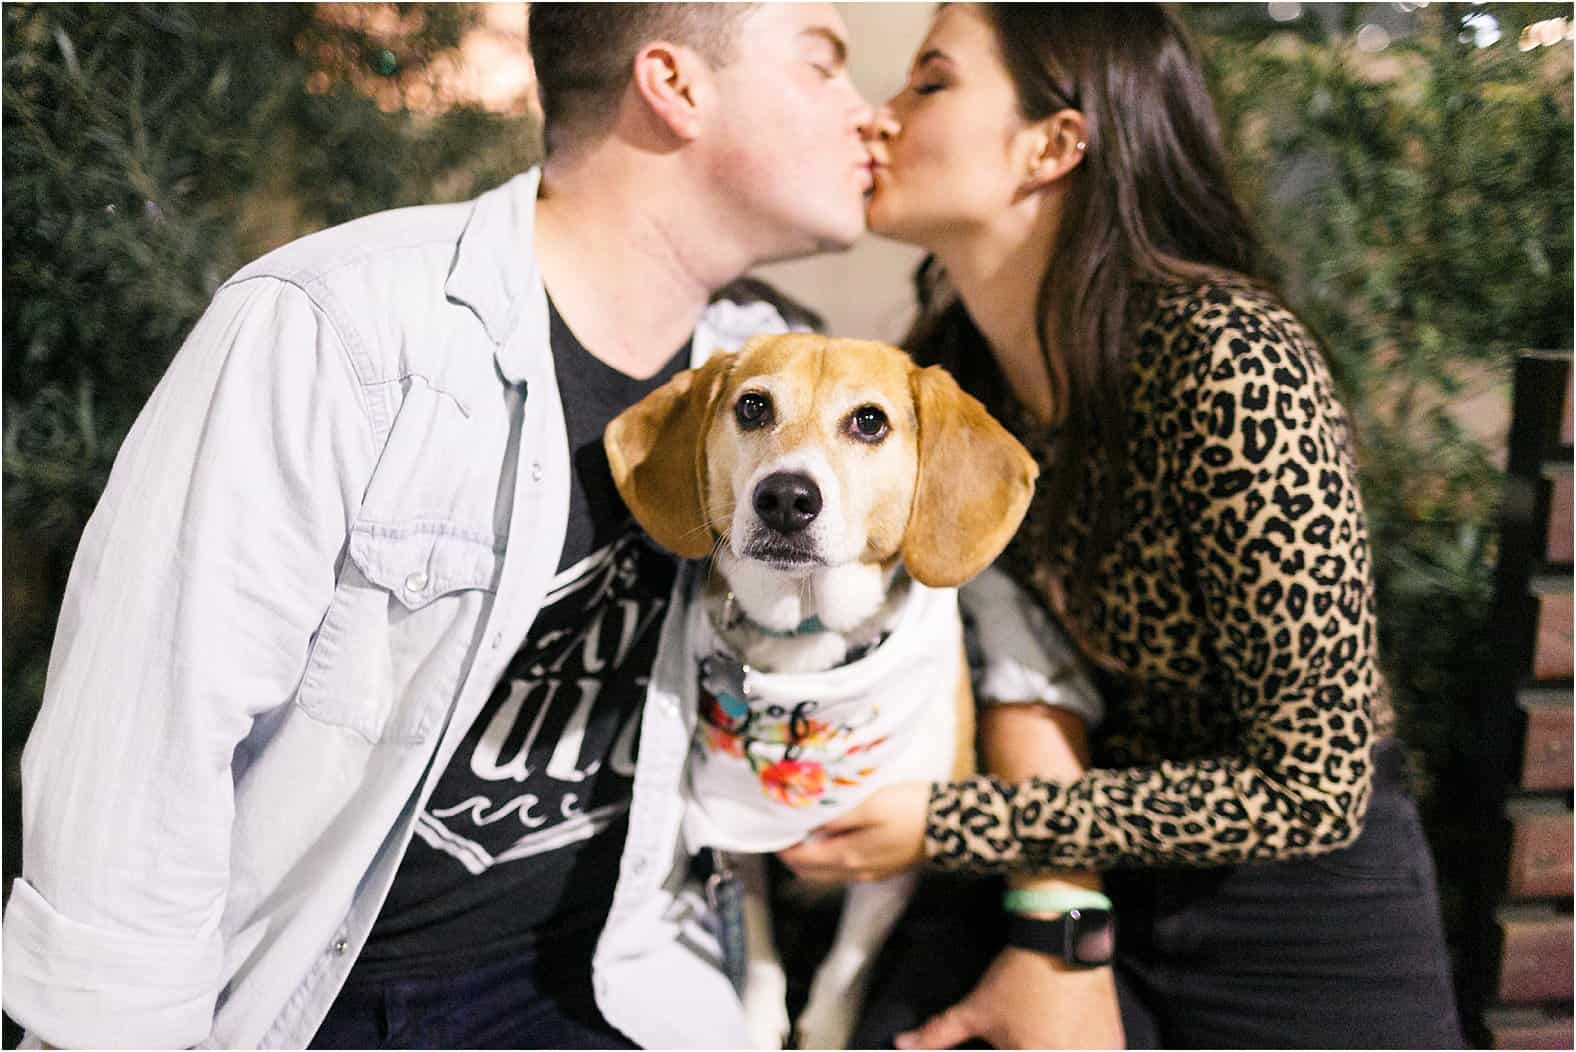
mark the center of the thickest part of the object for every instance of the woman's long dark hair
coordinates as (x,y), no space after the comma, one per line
(1150,205)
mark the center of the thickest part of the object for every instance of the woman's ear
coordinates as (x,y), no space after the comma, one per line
(657,452)
(667,80)
(975,482)
(1057,145)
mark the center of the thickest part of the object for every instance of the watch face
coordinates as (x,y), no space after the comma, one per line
(1092,936)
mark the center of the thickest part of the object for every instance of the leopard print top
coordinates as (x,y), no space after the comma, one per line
(1238,597)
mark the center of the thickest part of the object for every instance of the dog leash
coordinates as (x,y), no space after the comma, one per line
(725,895)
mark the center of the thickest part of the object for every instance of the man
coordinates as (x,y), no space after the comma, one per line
(351,670)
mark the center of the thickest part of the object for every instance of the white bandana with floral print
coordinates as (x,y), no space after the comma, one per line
(777,754)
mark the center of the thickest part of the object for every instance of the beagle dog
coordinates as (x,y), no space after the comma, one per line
(841,494)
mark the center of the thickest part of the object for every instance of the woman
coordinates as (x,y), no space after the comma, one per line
(1198,531)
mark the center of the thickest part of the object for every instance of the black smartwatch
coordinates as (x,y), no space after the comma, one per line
(1082,937)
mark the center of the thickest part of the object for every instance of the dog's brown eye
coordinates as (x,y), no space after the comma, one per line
(753,410)
(869,423)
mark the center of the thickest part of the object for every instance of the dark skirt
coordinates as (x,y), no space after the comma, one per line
(1343,950)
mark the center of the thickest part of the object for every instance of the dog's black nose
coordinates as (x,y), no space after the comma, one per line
(787,502)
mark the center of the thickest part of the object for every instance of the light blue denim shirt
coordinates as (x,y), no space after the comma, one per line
(322,541)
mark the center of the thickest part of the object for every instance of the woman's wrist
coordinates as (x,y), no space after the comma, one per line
(1035,894)
(1073,926)
(1068,880)
(1064,969)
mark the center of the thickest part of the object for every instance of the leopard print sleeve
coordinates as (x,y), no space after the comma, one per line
(1273,548)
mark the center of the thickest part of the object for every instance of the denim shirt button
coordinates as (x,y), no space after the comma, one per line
(416,582)
(340,946)
(536,471)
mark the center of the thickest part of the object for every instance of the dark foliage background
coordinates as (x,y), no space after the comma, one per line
(1419,197)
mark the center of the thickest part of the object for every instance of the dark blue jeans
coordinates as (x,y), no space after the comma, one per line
(523,1002)
(1344,950)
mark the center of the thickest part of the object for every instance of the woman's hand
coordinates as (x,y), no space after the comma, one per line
(881,837)
(1029,1000)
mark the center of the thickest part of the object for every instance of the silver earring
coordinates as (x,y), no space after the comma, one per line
(1082,145)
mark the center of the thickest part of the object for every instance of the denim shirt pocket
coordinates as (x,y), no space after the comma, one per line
(401,629)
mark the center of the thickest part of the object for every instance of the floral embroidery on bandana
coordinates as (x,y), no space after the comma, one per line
(773,739)
(797,783)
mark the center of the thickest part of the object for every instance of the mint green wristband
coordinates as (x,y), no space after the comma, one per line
(1024,900)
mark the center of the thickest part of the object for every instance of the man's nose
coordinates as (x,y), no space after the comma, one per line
(864,116)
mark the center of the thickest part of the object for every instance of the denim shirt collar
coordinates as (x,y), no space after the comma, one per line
(496,276)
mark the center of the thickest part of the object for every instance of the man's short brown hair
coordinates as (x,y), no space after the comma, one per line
(584,55)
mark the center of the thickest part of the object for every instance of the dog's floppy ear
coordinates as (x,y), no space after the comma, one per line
(975,482)
(656,449)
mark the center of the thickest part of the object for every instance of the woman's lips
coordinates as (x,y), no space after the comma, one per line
(879,175)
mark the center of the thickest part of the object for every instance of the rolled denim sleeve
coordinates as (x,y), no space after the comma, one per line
(196,588)
(1017,654)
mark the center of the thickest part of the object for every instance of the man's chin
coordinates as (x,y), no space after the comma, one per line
(840,243)
(845,234)
(822,237)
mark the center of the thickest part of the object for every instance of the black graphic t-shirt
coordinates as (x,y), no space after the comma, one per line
(520,840)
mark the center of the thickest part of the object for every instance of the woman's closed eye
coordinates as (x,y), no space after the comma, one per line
(928,88)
